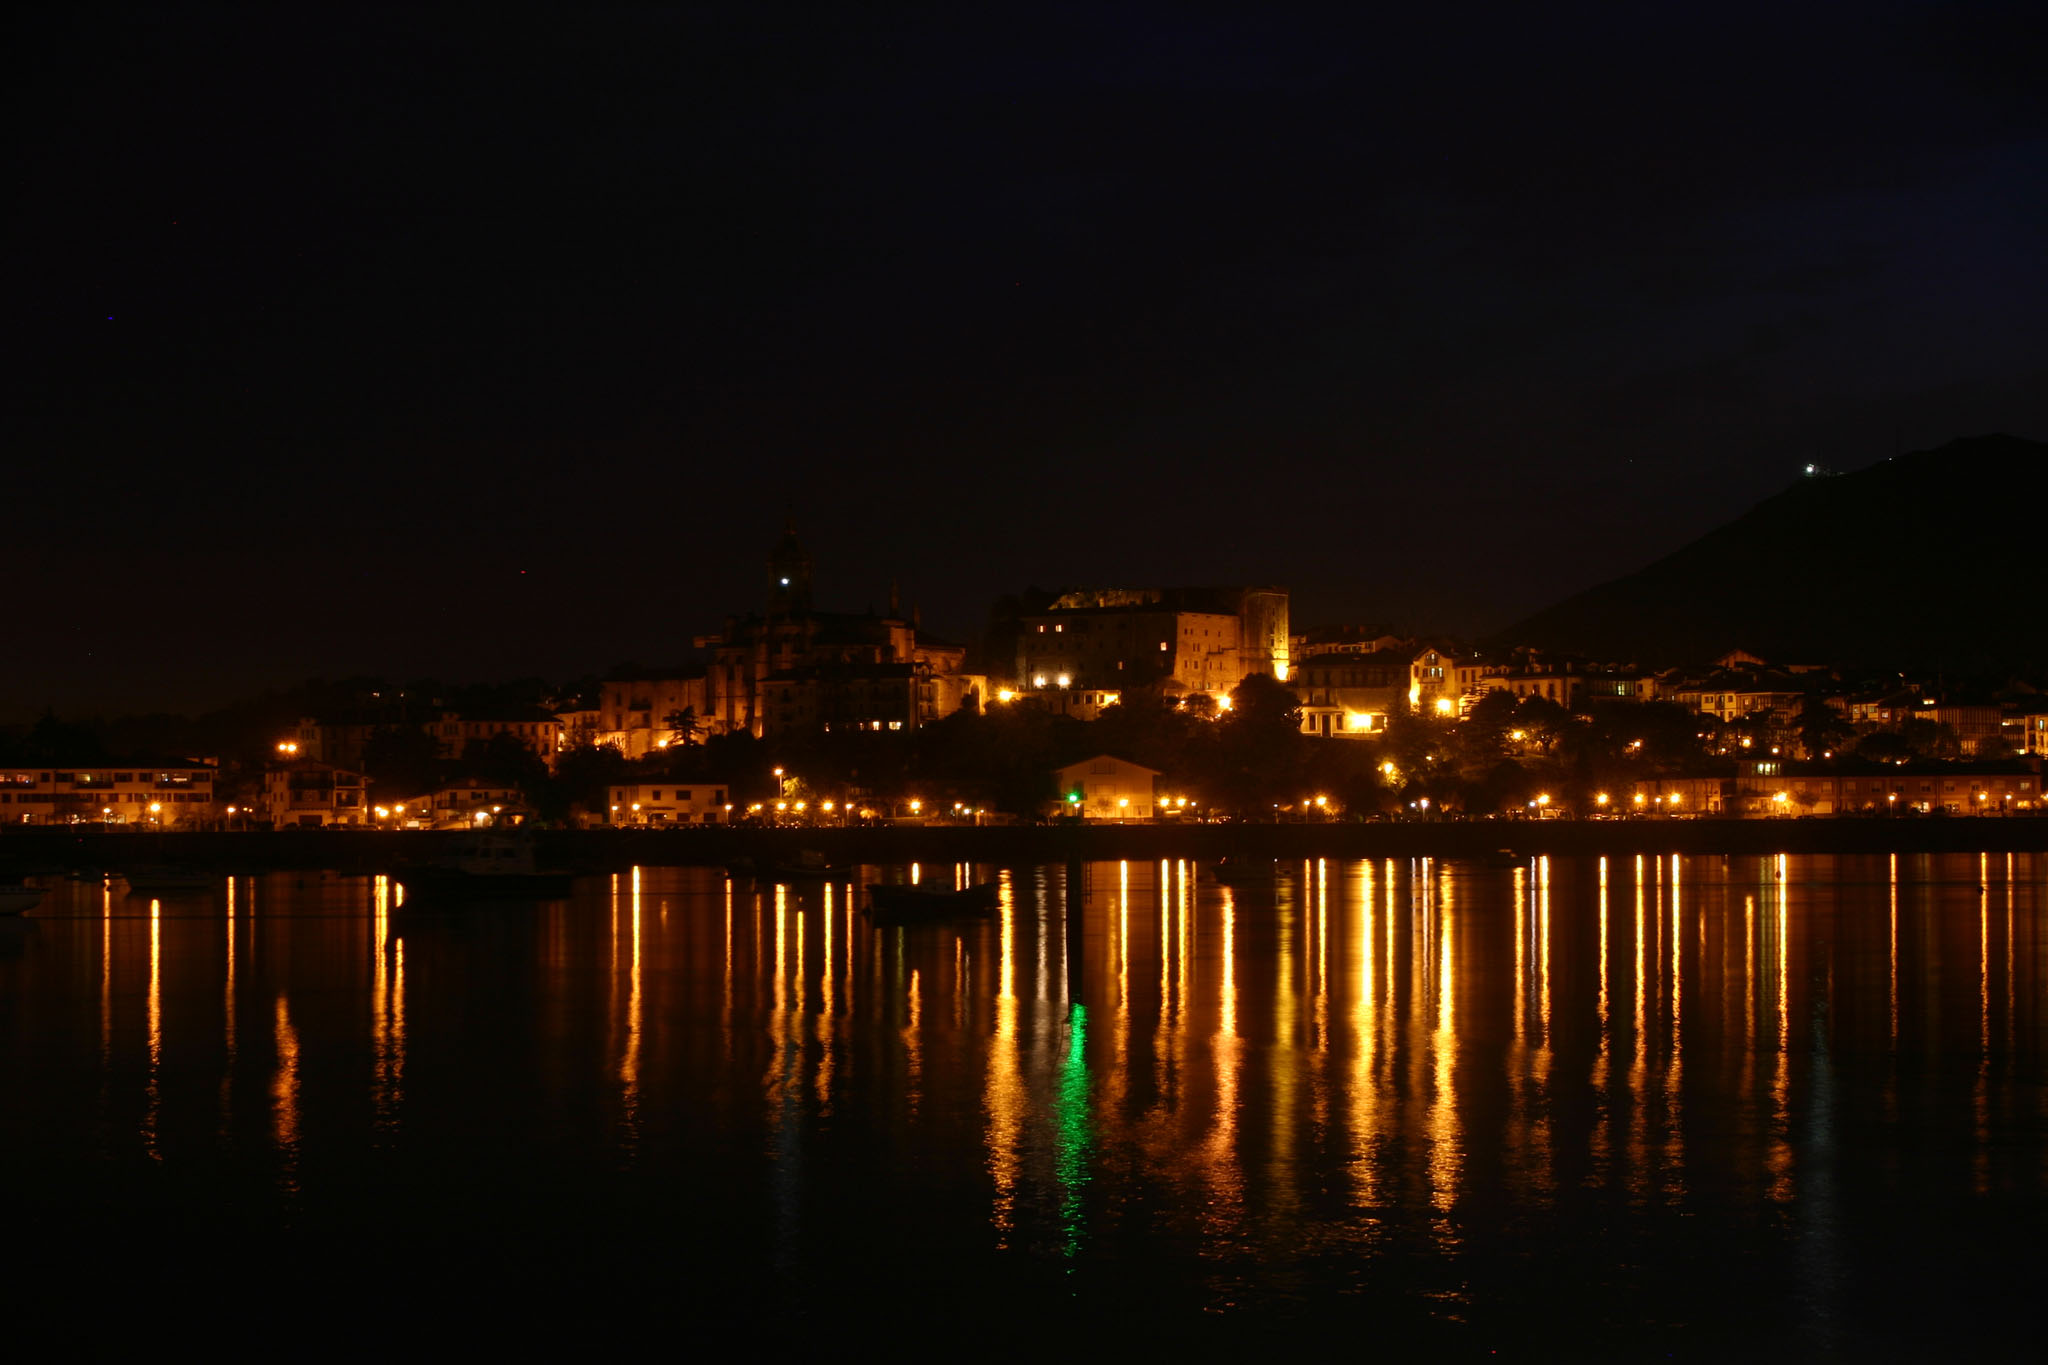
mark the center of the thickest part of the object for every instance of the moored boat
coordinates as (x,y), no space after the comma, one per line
(1230,873)
(484,867)
(16,899)
(902,904)
(809,867)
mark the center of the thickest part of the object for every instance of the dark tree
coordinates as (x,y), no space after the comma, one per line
(1481,739)
(505,758)
(583,777)
(1884,746)
(1258,754)
(51,740)
(402,760)
(682,726)
(1822,729)
(1929,738)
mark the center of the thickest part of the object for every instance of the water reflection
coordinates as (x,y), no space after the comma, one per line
(1359,1064)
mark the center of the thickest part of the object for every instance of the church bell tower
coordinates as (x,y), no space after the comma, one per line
(789,575)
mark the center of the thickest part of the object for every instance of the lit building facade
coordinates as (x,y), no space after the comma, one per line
(161,795)
(634,715)
(466,804)
(1767,787)
(1179,640)
(1106,788)
(658,802)
(309,794)
(1350,695)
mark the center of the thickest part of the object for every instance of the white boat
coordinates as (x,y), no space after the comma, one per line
(15,899)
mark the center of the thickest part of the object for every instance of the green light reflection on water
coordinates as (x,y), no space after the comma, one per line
(1076,1133)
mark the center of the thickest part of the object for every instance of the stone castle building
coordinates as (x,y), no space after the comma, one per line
(1179,640)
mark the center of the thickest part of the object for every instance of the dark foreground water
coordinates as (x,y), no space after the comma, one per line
(1680,1106)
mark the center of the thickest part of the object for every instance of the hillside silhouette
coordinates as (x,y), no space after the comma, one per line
(1930,560)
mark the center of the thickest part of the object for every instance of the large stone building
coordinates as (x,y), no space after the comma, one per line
(1179,640)
(1346,693)
(795,668)
(639,715)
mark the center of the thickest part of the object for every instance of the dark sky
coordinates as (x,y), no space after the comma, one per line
(497,342)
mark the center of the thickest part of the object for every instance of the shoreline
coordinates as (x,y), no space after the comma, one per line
(42,848)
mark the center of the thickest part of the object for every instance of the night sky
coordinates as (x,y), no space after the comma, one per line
(500,344)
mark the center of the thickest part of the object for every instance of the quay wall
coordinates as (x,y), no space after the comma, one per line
(25,851)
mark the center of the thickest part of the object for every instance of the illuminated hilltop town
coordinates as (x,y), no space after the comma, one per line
(1146,703)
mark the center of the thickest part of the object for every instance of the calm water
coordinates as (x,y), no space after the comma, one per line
(1670,1106)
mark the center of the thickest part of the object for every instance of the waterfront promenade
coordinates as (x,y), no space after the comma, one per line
(40,849)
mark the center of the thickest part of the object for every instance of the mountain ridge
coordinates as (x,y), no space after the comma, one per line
(1924,560)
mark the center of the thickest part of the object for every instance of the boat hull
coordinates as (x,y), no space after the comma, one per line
(913,905)
(440,886)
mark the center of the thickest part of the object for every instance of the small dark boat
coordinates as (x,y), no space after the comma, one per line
(1228,873)
(16,898)
(808,867)
(902,904)
(484,867)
